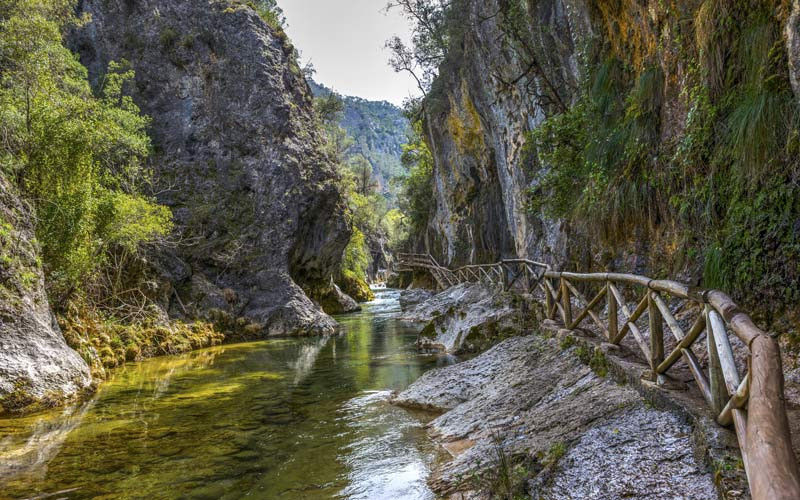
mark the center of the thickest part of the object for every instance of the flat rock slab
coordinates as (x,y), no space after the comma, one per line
(641,454)
(528,397)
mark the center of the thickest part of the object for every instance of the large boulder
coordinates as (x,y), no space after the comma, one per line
(238,157)
(36,365)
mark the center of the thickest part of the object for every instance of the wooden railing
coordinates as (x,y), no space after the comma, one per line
(752,402)
(522,275)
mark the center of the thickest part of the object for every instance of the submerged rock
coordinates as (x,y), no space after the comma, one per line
(239,159)
(36,365)
(530,402)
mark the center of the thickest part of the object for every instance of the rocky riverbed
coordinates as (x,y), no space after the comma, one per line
(553,415)
(577,434)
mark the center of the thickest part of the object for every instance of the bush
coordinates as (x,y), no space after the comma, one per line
(76,154)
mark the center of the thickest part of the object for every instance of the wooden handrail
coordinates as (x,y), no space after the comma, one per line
(753,403)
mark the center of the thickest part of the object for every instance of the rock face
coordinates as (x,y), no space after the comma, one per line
(238,157)
(462,318)
(487,98)
(583,436)
(36,365)
(337,302)
(477,131)
(792,34)
(410,298)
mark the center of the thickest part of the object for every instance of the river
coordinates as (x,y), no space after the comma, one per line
(282,419)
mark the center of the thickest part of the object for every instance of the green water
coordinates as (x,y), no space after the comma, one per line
(288,419)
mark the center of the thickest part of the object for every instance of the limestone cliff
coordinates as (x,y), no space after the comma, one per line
(476,123)
(683,141)
(36,365)
(237,157)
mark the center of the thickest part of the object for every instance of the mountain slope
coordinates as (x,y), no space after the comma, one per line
(379,130)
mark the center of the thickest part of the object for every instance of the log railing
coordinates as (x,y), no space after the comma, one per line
(519,274)
(752,401)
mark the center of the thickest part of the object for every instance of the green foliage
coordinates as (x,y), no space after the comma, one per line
(726,183)
(126,221)
(416,198)
(269,11)
(76,154)
(356,257)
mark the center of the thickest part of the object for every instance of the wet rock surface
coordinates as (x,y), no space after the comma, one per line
(413,297)
(528,397)
(464,317)
(238,157)
(36,365)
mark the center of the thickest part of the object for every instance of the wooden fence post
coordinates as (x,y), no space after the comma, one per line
(716,379)
(565,303)
(613,326)
(656,337)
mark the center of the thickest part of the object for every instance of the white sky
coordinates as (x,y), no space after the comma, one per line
(344,40)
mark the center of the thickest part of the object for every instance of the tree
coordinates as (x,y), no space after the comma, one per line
(430,37)
(416,198)
(76,154)
(365,181)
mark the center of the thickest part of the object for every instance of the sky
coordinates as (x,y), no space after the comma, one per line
(344,40)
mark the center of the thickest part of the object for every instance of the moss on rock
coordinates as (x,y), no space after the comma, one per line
(106,343)
(356,287)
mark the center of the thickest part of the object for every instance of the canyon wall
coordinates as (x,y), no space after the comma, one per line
(238,157)
(673,108)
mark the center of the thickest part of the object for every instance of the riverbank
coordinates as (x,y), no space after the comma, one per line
(280,418)
(552,413)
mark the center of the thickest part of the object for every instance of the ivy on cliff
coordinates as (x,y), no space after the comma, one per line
(724,182)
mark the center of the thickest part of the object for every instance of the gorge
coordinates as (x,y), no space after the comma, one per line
(177,183)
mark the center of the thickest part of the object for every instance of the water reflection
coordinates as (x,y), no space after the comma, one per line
(308,355)
(29,452)
(293,418)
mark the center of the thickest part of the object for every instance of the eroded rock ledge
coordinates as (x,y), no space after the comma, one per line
(465,318)
(579,435)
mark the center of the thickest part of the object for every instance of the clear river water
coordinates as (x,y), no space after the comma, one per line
(277,419)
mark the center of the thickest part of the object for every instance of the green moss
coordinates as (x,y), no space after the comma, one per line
(429,331)
(356,287)
(594,358)
(106,343)
(482,337)
(18,399)
(555,453)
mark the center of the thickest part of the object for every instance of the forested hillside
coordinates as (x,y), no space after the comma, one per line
(378,131)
